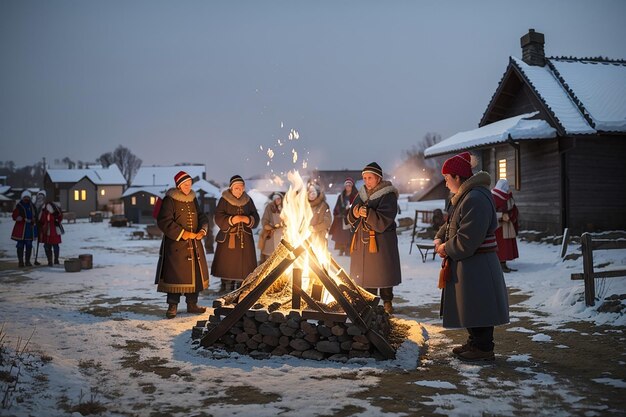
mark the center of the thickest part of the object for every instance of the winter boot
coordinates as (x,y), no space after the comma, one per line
(194,308)
(505,267)
(388,307)
(474,354)
(56,254)
(48,255)
(171,311)
(29,251)
(20,257)
(460,349)
(222,285)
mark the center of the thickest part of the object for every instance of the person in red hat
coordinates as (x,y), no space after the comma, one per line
(374,256)
(340,228)
(182,266)
(474,295)
(235,253)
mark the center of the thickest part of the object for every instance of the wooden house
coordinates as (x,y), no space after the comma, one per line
(555,128)
(85,190)
(152,182)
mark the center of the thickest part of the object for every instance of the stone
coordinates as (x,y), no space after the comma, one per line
(360,346)
(347,345)
(324,331)
(284,341)
(269,329)
(338,330)
(312,338)
(286,329)
(242,338)
(328,347)
(313,354)
(294,324)
(261,316)
(308,328)
(279,351)
(257,338)
(338,357)
(277,317)
(353,330)
(300,344)
(294,315)
(270,340)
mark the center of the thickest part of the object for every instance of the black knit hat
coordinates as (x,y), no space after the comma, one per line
(235,179)
(373,168)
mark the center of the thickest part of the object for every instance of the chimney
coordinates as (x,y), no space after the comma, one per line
(532,48)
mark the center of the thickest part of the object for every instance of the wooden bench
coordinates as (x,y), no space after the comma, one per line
(137,234)
(589,244)
(69,217)
(424,247)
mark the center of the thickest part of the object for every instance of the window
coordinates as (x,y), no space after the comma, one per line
(102,192)
(152,200)
(502,169)
(133,200)
(80,195)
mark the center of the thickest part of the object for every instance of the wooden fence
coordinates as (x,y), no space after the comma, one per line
(590,244)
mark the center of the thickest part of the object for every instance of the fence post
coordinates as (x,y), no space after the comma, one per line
(587,250)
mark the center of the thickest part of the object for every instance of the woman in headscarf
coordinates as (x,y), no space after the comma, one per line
(474,293)
(182,267)
(340,229)
(374,256)
(321,220)
(235,254)
(272,232)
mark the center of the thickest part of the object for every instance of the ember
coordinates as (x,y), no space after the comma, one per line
(299,301)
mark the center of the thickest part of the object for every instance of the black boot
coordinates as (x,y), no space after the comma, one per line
(20,257)
(56,254)
(194,308)
(29,251)
(171,311)
(48,251)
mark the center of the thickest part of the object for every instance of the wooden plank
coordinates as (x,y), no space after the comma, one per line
(605,244)
(590,290)
(248,301)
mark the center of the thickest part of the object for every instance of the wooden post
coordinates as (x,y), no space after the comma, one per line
(413,235)
(296,285)
(587,250)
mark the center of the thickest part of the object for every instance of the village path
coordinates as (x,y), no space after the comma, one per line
(539,370)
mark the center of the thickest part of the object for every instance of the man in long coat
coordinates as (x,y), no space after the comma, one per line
(475,296)
(235,254)
(182,267)
(374,257)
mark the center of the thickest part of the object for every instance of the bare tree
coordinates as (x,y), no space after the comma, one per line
(106,159)
(127,162)
(70,164)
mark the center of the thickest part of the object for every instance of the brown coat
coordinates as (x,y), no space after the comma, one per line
(182,266)
(235,254)
(321,220)
(379,269)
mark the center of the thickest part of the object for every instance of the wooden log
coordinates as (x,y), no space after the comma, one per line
(248,301)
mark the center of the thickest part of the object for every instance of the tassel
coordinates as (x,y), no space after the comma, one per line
(373,247)
(353,244)
(445,274)
(231,241)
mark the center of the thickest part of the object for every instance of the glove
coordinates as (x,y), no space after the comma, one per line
(49,208)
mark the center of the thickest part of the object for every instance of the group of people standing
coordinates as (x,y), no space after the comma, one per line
(474,294)
(39,220)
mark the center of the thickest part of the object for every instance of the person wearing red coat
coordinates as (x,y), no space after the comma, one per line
(25,228)
(50,230)
(506,232)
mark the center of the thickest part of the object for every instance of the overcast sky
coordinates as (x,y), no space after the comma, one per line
(213,82)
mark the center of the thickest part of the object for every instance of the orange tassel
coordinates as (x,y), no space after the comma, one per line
(231,241)
(373,247)
(353,244)
(445,274)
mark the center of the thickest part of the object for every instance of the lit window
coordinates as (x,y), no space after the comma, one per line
(152,200)
(502,169)
(76,195)
(133,200)
(83,195)
(101,192)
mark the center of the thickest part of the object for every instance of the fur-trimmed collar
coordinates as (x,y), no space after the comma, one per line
(178,195)
(237,202)
(383,187)
(318,200)
(480,179)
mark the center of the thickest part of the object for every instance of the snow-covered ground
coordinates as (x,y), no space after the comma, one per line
(103,336)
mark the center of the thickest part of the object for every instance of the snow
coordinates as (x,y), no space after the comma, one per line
(516,128)
(600,87)
(99,176)
(555,96)
(164,175)
(93,354)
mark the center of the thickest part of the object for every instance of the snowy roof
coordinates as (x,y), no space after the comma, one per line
(158,190)
(210,189)
(99,176)
(516,128)
(164,175)
(598,87)
(4,189)
(5,198)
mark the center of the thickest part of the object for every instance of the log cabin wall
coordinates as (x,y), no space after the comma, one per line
(596,177)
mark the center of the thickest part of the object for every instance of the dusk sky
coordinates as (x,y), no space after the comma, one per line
(213,82)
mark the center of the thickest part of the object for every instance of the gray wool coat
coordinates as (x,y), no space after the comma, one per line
(382,268)
(477,294)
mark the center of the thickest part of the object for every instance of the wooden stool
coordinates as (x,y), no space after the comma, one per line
(424,248)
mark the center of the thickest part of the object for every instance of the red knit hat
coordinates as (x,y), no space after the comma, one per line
(460,165)
(181,177)
(349,180)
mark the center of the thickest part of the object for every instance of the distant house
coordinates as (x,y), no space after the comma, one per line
(7,204)
(555,128)
(152,182)
(85,190)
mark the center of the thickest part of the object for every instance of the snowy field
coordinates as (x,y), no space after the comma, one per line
(100,336)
